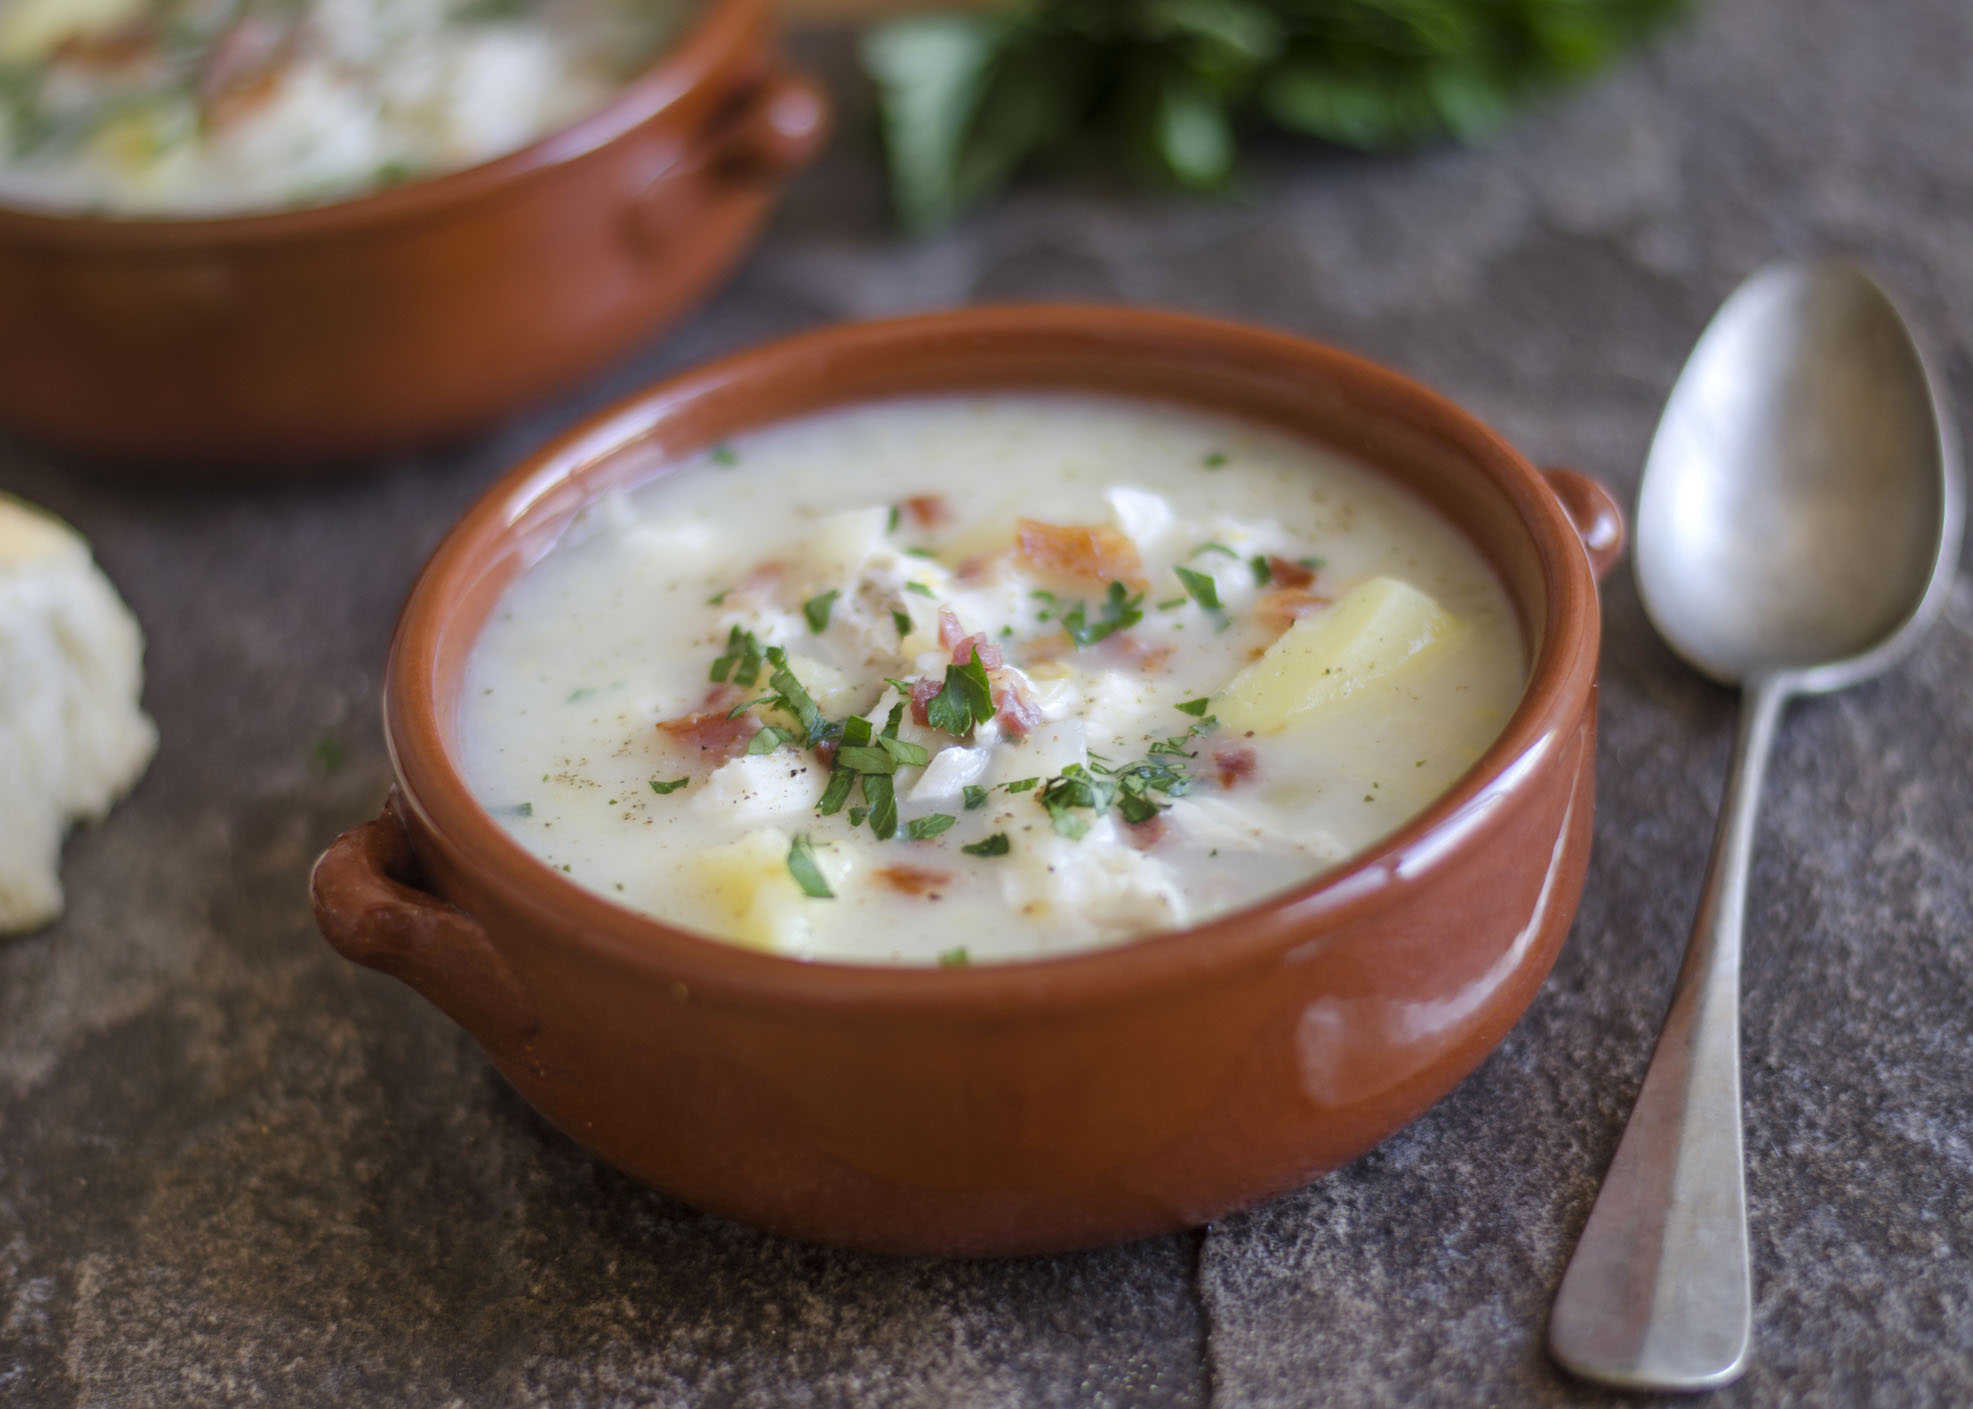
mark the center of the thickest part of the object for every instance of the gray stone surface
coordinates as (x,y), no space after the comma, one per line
(234,1170)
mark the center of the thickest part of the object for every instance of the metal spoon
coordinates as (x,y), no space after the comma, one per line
(1797,527)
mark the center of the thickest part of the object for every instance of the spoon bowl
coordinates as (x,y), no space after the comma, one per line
(1799,502)
(1797,527)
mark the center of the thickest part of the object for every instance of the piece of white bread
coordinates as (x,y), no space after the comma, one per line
(73,738)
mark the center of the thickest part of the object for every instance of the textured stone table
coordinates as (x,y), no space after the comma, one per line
(234,1170)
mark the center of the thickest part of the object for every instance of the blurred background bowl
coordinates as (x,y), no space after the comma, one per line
(412,313)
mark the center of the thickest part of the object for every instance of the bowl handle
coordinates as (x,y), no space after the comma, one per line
(1594,511)
(777,130)
(369,906)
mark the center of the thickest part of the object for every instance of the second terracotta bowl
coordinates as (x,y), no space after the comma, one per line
(1020,1107)
(408,314)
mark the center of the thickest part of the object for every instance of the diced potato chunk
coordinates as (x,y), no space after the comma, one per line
(750,883)
(842,543)
(1375,629)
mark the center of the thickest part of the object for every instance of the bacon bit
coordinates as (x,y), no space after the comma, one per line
(119,48)
(977,566)
(923,692)
(1148,833)
(1286,572)
(1235,765)
(1133,650)
(915,880)
(1092,552)
(1284,606)
(826,751)
(927,510)
(954,638)
(1018,710)
(708,730)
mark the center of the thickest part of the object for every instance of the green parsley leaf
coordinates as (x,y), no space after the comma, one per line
(866,760)
(905,755)
(965,700)
(767,740)
(901,619)
(741,661)
(954,958)
(882,797)
(1212,548)
(1196,708)
(582,694)
(857,814)
(841,780)
(1024,785)
(931,553)
(1263,574)
(995,845)
(895,519)
(791,696)
(519,809)
(816,609)
(925,828)
(807,872)
(1200,588)
(976,797)
(673,786)
(1214,460)
(719,596)
(725,456)
(1313,564)
(921,589)
(1118,611)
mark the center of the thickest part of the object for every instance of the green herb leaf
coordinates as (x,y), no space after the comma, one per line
(1263,574)
(767,740)
(901,619)
(741,661)
(965,700)
(807,872)
(905,755)
(1117,612)
(878,792)
(921,589)
(1215,460)
(518,809)
(817,608)
(1200,588)
(791,696)
(1313,564)
(976,797)
(841,780)
(1196,708)
(995,845)
(954,958)
(1024,785)
(896,517)
(673,786)
(725,456)
(866,760)
(925,828)
(1212,548)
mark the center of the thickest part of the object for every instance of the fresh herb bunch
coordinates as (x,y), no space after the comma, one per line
(1170,84)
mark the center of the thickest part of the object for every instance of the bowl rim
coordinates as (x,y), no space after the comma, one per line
(705,46)
(1560,685)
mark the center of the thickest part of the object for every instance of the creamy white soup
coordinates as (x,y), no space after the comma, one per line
(965,679)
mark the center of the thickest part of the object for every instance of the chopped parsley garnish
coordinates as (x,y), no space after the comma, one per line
(1172,604)
(1212,548)
(879,792)
(995,845)
(896,517)
(857,814)
(921,589)
(580,694)
(1100,786)
(767,740)
(725,456)
(1074,787)
(931,553)
(519,809)
(976,797)
(1200,588)
(1196,708)
(965,700)
(954,958)
(790,696)
(925,828)
(721,595)
(901,619)
(1263,574)
(816,609)
(673,786)
(1116,612)
(1023,785)
(1313,564)
(741,662)
(1214,460)
(807,872)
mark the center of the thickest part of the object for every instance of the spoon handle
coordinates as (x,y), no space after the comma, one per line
(1659,1294)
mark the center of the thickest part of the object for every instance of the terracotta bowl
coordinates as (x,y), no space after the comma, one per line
(1023,1107)
(414,312)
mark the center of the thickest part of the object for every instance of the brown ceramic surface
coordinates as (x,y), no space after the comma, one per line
(413,312)
(1031,1106)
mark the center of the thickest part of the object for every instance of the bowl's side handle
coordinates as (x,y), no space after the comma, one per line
(368,905)
(1594,511)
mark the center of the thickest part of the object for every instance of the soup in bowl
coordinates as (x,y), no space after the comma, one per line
(993,782)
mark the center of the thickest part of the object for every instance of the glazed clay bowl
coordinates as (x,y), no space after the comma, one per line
(411,313)
(1022,1107)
